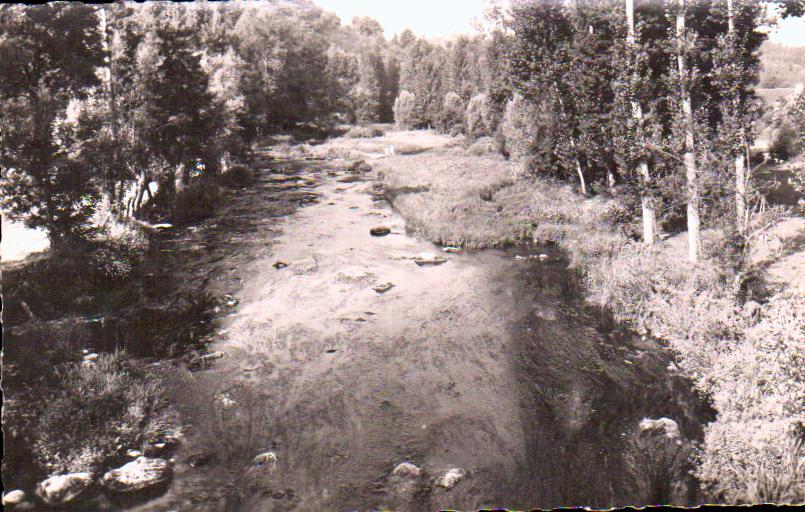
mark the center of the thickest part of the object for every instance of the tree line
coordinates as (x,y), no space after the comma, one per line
(651,98)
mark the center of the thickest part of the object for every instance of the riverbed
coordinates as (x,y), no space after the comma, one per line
(489,362)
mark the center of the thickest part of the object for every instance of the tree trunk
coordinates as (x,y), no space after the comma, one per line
(689,158)
(646,195)
(740,167)
(740,191)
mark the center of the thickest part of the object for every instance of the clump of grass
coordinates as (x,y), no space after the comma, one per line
(79,415)
(238,176)
(365,132)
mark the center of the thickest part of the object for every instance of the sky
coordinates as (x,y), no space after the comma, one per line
(443,18)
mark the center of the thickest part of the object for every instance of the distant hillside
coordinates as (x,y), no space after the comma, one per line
(781,66)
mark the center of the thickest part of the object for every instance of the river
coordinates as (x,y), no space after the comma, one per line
(490,362)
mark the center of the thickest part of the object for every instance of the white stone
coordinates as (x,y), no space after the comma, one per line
(451,478)
(137,475)
(266,458)
(426,258)
(406,469)
(13,497)
(60,489)
(134,454)
(665,425)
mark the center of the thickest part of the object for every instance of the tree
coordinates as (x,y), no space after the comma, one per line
(48,55)
(405,110)
(478,118)
(632,79)
(452,118)
(689,157)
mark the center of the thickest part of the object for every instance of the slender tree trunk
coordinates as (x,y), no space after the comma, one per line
(740,191)
(689,157)
(646,195)
(740,168)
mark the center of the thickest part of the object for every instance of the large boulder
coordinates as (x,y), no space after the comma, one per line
(61,489)
(142,473)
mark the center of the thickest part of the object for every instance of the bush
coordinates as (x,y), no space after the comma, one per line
(483,146)
(405,110)
(363,132)
(196,202)
(238,176)
(519,128)
(479,117)
(451,120)
(79,416)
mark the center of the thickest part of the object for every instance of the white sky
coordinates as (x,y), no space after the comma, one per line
(443,18)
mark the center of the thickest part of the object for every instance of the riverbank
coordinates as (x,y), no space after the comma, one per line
(734,319)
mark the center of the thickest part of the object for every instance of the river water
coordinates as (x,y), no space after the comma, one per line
(490,362)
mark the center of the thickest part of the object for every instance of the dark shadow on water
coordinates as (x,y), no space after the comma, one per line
(586,385)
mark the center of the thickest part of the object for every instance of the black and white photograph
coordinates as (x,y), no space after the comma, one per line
(402,256)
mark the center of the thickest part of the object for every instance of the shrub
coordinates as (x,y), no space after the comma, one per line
(478,117)
(451,120)
(519,128)
(196,202)
(94,412)
(238,176)
(363,132)
(405,110)
(483,146)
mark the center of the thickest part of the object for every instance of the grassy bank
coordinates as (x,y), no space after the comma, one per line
(735,319)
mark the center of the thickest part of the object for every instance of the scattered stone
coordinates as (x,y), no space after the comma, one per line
(452,250)
(383,287)
(407,469)
(226,401)
(280,264)
(91,357)
(231,301)
(360,167)
(199,459)
(61,489)
(665,426)
(380,231)
(427,258)
(137,475)
(543,257)
(201,360)
(134,454)
(13,498)
(519,258)
(451,478)
(163,225)
(267,458)
(752,310)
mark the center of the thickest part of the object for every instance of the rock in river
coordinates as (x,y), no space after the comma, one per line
(426,258)
(266,459)
(383,287)
(406,469)
(137,475)
(665,426)
(61,489)
(451,478)
(380,231)
(13,497)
